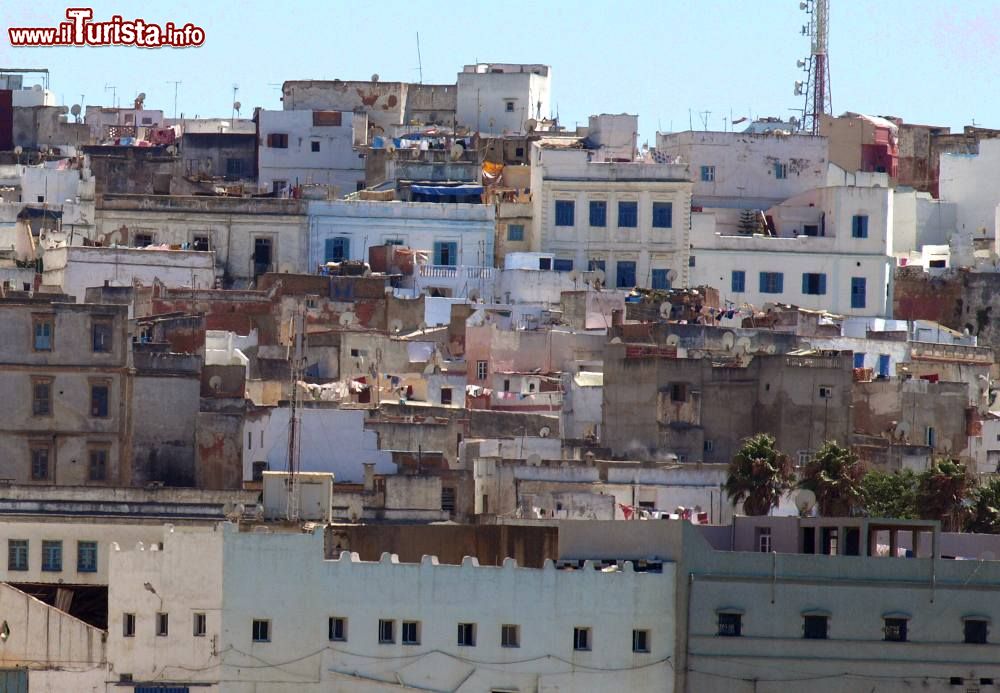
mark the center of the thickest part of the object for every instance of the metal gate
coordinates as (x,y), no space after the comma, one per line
(13,681)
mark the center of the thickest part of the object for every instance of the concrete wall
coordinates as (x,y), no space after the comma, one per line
(962,182)
(387,104)
(498,99)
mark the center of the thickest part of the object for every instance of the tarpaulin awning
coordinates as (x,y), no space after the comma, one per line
(446,190)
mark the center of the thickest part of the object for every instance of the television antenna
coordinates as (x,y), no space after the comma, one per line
(816,88)
(176,83)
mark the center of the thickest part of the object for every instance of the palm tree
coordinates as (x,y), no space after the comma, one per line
(941,493)
(986,508)
(834,474)
(758,475)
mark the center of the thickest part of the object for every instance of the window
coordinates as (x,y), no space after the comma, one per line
(510,635)
(814,627)
(625,278)
(661,279)
(278,185)
(708,174)
(598,213)
(86,556)
(564,213)
(859,359)
(859,226)
(40,463)
(200,625)
(52,556)
(826,392)
(931,437)
(44,331)
(162,624)
(446,253)
(482,369)
(141,240)
(97,469)
(467,634)
(445,395)
(813,284)
(858,291)
(411,633)
(663,215)
(509,106)
(810,230)
(708,446)
(883,365)
(640,641)
(261,630)
(562,265)
(519,151)
(628,215)
(581,639)
(314,145)
(99,394)
(277,140)
(678,392)
(100,332)
(691,260)
(763,539)
(337,249)
(895,629)
(595,264)
(202,243)
(780,170)
(976,631)
(448,499)
(386,635)
(234,168)
(337,627)
(17,554)
(739,281)
(772,282)
(730,624)
(515,232)
(128,625)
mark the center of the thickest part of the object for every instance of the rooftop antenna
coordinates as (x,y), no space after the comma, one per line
(704,118)
(236,89)
(816,88)
(420,62)
(176,83)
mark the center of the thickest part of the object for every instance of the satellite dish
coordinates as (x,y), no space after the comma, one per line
(671,275)
(530,124)
(599,275)
(375,77)
(805,501)
(544,432)
(390,146)
(172,149)
(665,309)
(18,150)
(771,349)
(395,325)
(215,382)
(534,460)
(728,340)
(573,276)
(346,318)
(673,340)
(743,344)
(227,508)
(142,96)
(75,109)
(901,430)
(474,295)
(456,151)
(237,105)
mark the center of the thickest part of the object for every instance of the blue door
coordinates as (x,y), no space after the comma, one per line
(883,365)
(13,681)
(626,275)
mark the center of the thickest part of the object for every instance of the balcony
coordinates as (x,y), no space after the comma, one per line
(455,272)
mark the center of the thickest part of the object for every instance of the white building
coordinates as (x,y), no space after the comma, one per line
(966,181)
(248,611)
(500,99)
(311,148)
(456,233)
(77,268)
(831,249)
(629,220)
(747,170)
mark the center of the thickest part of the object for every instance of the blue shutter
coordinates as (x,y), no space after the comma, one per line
(661,279)
(763,282)
(883,365)
(739,281)
(328,250)
(805,283)
(859,359)
(822,284)
(858,291)
(779,283)
(438,246)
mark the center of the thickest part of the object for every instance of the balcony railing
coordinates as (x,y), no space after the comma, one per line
(455,272)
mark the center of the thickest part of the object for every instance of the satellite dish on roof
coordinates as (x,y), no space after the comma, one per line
(395,325)
(534,460)
(141,96)
(375,77)
(75,109)
(805,501)
(665,309)
(530,124)
(544,432)
(237,105)
(673,340)
(456,151)
(728,340)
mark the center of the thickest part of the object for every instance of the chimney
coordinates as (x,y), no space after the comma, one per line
(369,477)
(616,318)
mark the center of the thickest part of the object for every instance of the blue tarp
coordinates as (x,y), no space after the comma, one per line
(445,190)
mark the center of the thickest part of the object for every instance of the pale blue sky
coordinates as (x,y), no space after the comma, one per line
(926,61)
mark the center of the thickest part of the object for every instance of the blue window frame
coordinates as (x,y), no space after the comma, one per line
(51,556)
(598,213)
(661,279)
(859,359)
(515,232)
(562,265)
(883,365)
(859,226)
(772,282)
(780,170)
(739,281)
(628,215)
(813,284)
(708,174)
(625,278)
(337,249)
(565,212)
(446,253)
(595,265)
(859,287)
(663,215)
(86,556)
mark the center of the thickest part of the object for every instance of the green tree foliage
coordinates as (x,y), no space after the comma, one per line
(758,475)
(985,516)
(890,494)
(941,494)
(834,474)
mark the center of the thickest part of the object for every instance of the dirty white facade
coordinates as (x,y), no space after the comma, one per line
(499,98)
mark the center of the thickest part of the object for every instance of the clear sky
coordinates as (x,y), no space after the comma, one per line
(924,60)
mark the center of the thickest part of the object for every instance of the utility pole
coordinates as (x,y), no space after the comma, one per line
(420,62)
(236,89)
(176,83)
